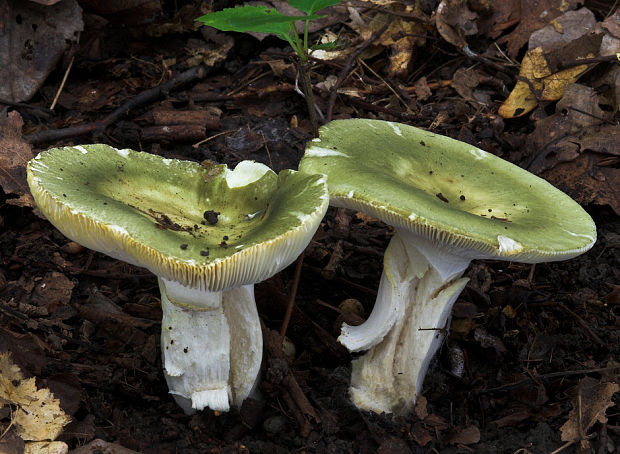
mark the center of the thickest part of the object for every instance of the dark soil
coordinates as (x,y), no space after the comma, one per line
(87,326)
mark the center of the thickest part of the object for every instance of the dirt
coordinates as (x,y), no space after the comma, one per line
(522,338)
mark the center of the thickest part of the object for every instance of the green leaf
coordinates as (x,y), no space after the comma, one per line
(326,46)
(248,18)
(310,6)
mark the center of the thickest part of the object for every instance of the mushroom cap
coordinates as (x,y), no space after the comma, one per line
(203,226)
(447,191)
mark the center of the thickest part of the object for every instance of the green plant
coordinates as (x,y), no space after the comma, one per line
(261,19)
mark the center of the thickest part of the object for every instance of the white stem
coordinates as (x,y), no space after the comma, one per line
(246,342)
(211,345)
(420,286)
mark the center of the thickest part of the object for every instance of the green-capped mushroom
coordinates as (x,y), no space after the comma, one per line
(207,232)
(449,203)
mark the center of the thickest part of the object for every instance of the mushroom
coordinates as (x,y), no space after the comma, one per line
(207,232)
(449,203)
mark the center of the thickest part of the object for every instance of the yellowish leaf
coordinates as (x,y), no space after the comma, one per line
(536,75)
(37,415)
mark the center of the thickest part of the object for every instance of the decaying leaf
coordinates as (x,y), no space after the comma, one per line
(36,413)
(589,406)
(46,447)
(454,20)
(531,16)
(538,82)
(130,12)
(402,37)
(33,39)
(14,155)
(463,435)
(575,150)
(590,178)
(566,28)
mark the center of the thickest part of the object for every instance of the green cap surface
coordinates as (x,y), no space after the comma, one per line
(204,226)
(448,191)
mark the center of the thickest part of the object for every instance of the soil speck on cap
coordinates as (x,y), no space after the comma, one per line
(211,216)
(441,197)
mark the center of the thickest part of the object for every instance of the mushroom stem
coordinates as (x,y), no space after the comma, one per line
(418,288)
(211,345)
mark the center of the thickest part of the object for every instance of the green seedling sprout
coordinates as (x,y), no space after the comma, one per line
(261,19)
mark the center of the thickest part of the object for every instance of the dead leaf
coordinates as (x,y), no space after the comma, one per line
(464,81)
(183,21)
(11,443)
(566,28)
(14,155)
(420,434)
(37,414)
(589,406)
(586,180)
(538,82)
(463,435)
(53,290)
(402,37)
(104,447)
(420,408)
(513,415)
(582,104)
(130,12)
(533,15)
(487,340)
(503,15)
(211,51)
(454,20)
(33,39)
(46,447)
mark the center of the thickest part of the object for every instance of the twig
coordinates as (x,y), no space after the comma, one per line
(567,373)
(413,16)
(197,144)
(62,83)
(344,73)
(583,324)
(291,300)
(587,61)
(303,69)
(97,127)
(398,96)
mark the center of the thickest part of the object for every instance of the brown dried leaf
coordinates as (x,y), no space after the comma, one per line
(420,407)
(129,12)
(504,15)
(581,162)
(487,340)
(513,415)
(589,407)
(54,289)
(103,447)
(566,28)
(463,435)
(454,20)
(14,155)
(33,39)
(420,434)
(535,14)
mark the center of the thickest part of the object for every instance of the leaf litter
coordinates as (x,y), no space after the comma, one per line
(515,347)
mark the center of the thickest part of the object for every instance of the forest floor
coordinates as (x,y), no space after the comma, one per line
(531,361)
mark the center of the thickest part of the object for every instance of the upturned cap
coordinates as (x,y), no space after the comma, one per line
(447,191)
(204,226)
